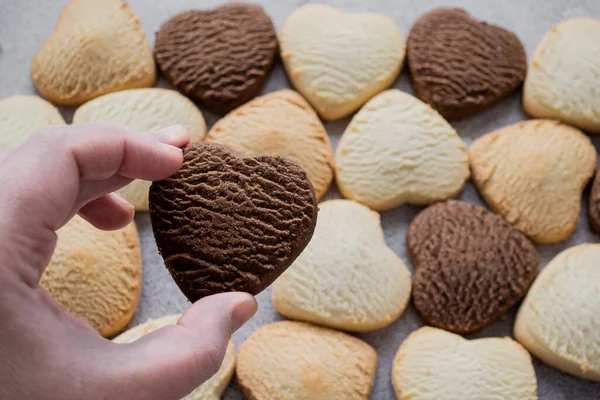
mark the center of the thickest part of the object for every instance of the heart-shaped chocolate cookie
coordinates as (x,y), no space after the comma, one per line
(221,56)
(228,222)
(471,266)
(460,65)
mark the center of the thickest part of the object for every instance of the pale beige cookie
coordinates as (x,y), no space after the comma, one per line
(433,364)
(339,60)
(280,123)
(562,78)
(144,110)
(533,174)
(399,150)
(97,47)
(96,275)
(298,361)
(559,319)
(213,388)
(333,281)
(21,116)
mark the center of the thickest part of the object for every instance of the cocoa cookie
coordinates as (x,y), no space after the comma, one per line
(227,222)
(471,266)
(460,65)
(594,210)
(220,56)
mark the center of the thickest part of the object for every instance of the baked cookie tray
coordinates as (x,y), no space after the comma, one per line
(26,23)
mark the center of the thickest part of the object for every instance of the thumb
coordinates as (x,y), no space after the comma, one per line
(172,361)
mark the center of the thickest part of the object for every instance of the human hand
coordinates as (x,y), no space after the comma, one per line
(46,353)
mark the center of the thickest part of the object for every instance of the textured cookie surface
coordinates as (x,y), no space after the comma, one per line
(471,266)
(398,150)
(332,282)
(227,222)
(594,205)
(144,110)
(21,116)
(297,361)
(220,56)
(339,60)
(96,275)
(213,388)
(436,365)
(460,65)
(533,174)
(562,79)
(283,124)
(97,47)
(559,319)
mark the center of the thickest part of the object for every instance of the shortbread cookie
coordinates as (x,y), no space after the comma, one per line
(562,79)
(97,47)
(533,174)
(436,365)
(460,65)
(221,57)
(96,275)
(297,361)
(332,282)
(213,388)
(283,124)
(471,266)
(21,116)
(228,222)
(398,150)
(144,110)
(559,319)
(594,205)
(339,60)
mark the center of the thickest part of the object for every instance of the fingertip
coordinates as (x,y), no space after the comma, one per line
(174,135)
(109,212)
(232,309)
(245,309)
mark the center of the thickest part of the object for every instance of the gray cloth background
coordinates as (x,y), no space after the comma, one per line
(25,24)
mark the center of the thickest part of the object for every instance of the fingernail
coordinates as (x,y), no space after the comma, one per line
(243,311)
(174,149)
(122,201)
(171,134)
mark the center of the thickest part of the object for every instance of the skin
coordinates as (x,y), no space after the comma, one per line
(46,352)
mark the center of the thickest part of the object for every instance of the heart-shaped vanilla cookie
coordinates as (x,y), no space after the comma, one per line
(471,266)
(559,319)
(290,360)
(143,110)
(229,222)
(21,116)
(398,150)
(433,364)
(562,79)
(339,60)
(213,388)
(460,65)
(282,124)
(221,57)
(333,281)
(97,47)
(533,174)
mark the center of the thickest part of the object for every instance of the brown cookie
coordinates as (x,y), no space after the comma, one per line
(226,222)
(594,206)
(471,266)
(460,65)
(220,56)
